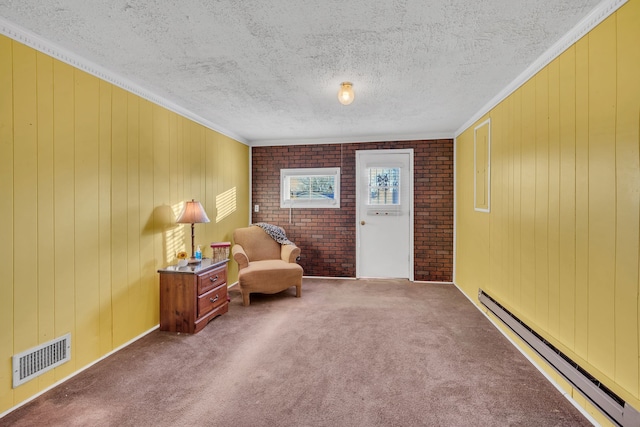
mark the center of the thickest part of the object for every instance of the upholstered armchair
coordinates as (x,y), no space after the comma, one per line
(265,266)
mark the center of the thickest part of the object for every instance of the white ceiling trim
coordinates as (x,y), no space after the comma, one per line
(355,139)
(597,15)
(36,42)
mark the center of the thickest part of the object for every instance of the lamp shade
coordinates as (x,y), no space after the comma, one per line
(345,94)
(193,213)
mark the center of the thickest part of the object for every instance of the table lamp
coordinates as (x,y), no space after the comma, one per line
(193,213)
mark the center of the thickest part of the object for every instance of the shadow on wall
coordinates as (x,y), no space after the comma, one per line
(163,221)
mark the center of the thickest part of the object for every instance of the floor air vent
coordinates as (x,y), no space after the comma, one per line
(610,404)
(38,360)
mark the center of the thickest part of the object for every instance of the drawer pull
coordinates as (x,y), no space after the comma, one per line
(214,279)
(214,299)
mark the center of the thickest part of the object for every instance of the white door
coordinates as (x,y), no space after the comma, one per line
(384,213)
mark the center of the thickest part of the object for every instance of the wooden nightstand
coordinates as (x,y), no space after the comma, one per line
(192,296)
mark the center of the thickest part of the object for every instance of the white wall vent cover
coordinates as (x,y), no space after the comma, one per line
(38,360)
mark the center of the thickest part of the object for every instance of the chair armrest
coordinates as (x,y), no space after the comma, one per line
(240,256)
(289,253)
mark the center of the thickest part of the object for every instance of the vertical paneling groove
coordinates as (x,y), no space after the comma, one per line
(602,194)
(505,237)
(567,247)
(173,158)
(517,198)
(192,165)
(86,186)
(495,220)
(46,286)
(161,219)
(175,192)
(119,219)
(553,230)
(626,304)
(64,202)
(179,160)
(133,207)
(186,144)
(509,238)
(25,166)
(541,212)
(582,199)
(573,183)
(146,171)
(6,214)
(211,188)
(528,202)
(104,202)
(507,189)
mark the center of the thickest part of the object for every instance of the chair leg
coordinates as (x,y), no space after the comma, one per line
(245,299)
(298,291)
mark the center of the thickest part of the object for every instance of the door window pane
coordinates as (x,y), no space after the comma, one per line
(384,186)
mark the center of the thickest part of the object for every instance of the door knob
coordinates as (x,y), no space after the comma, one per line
(362,222)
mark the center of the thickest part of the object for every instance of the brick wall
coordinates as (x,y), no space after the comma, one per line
(327,237)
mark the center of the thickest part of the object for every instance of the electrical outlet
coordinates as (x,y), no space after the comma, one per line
(256,208)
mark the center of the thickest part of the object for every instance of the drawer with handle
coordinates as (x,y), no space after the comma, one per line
(212,299)
(212,279)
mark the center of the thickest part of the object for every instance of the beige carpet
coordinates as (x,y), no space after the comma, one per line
(348,353)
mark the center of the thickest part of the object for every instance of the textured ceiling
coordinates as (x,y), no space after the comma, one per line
(269,71)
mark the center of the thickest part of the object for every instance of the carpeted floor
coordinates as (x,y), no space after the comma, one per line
(348,353)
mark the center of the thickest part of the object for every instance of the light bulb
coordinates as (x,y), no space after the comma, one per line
(345,94)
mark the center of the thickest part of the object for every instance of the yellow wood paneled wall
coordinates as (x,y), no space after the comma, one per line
(560,247)
(91,177)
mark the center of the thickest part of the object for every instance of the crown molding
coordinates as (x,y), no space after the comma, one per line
(24,36)
(589,22)
(352,139)
(47,47)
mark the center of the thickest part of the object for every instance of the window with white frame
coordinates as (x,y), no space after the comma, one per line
(310,188)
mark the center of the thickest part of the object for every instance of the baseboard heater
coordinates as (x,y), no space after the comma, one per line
(610,404)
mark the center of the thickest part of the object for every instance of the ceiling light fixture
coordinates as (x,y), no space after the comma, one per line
(345,94)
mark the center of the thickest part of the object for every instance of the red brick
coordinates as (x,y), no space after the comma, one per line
(327,236)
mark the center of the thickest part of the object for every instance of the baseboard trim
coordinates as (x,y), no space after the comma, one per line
(429,282)
(376,278)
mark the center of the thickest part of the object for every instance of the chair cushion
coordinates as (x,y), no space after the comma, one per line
(269,276)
